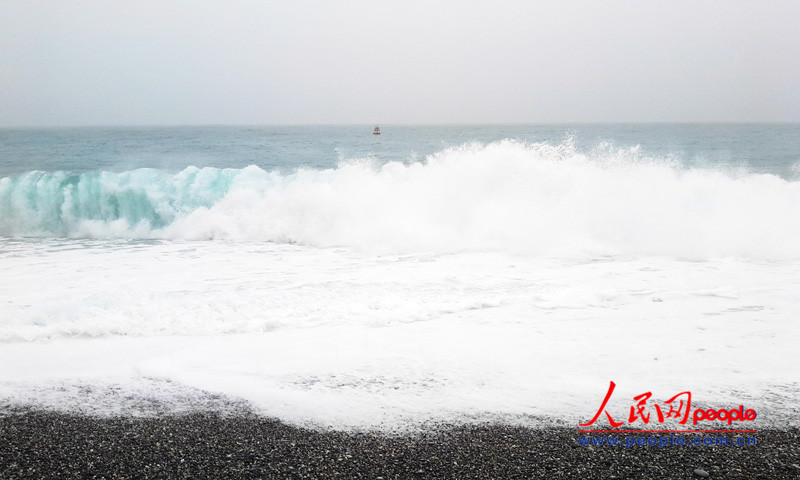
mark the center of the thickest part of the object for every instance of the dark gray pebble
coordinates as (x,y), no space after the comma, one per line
(38,444)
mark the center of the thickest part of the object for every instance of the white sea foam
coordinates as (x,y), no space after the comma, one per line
(506,280)
(338,338)
(538,199)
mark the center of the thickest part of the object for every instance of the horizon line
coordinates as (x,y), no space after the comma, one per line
(399,124)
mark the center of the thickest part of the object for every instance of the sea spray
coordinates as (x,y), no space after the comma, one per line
(529,198)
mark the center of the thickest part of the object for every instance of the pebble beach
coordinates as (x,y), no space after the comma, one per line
(41,444)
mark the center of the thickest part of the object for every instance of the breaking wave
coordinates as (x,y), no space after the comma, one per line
(528,198)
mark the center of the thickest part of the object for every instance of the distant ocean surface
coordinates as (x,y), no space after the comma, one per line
(329,276)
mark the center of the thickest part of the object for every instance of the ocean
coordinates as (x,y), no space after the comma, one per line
(330,277)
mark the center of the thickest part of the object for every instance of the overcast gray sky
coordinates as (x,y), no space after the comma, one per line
(103,62)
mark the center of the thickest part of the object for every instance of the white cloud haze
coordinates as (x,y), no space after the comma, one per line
(92,62)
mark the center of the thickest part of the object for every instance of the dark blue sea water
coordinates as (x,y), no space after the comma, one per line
(768,148)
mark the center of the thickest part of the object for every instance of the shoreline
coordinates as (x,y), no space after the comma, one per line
(45,444)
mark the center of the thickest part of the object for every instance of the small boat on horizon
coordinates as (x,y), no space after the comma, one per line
(377,131)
